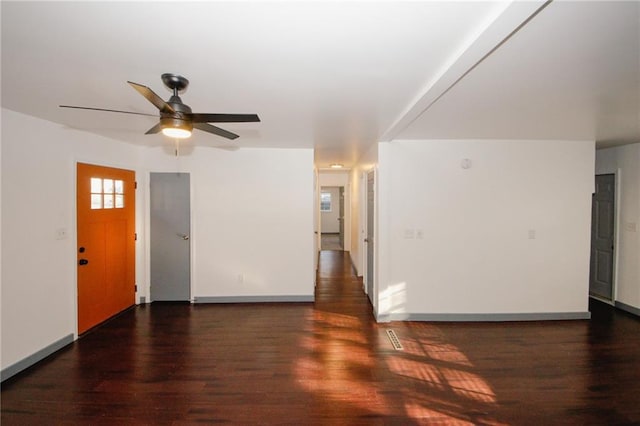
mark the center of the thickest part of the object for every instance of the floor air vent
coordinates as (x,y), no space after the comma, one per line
(393,337)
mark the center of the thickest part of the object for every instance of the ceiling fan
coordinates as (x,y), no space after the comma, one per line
(176,119)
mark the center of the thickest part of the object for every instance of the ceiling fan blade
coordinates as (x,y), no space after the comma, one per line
(108,110)
(152,97)
(224,118)
(154,129)
(215,130)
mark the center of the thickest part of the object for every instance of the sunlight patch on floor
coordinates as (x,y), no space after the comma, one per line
(469,385)
(334,320)
(446,353)
(417,411)
(341,367)
(417,370)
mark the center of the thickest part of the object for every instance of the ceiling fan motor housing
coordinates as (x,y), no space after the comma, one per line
(177,119)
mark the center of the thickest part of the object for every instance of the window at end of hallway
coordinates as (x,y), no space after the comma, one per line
(325,201)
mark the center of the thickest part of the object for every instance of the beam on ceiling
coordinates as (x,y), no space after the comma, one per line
(497,31)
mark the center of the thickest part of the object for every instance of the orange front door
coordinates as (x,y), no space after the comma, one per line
(106,243)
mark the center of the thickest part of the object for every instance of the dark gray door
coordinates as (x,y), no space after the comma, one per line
(602,226)
(170,244)
(370,234)
(341,216)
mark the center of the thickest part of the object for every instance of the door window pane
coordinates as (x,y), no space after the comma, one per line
(119,201)
(96,186)
(108,201)
(108,186)
(96,201)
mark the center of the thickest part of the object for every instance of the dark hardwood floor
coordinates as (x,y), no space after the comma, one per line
(330,363)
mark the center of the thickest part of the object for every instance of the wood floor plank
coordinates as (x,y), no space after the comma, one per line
(328,362)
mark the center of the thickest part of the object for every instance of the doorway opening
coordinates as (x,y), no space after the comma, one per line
(332,218)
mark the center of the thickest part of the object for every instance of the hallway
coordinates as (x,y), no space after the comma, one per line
(330,363)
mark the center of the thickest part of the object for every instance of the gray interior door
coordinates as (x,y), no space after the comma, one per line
(370,235)
(602,228)
(341,216)
(170,244)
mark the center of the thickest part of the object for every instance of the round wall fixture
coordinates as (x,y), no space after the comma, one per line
(465,163)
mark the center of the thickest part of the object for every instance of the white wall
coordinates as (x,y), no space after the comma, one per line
(329,220)
(38,198)
(454,240)
(624,161)
(334,178)
(252,215)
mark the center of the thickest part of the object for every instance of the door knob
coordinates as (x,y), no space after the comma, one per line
(183,236)
(83,262)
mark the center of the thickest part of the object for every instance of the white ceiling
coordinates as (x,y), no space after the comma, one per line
(334,76)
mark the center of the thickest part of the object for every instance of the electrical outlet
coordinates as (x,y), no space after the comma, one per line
(532,234)
(241,278)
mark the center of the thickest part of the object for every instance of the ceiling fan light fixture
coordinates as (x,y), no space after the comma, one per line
(176,128)
(176,132)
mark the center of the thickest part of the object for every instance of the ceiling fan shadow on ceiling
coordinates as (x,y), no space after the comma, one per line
(176,118)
